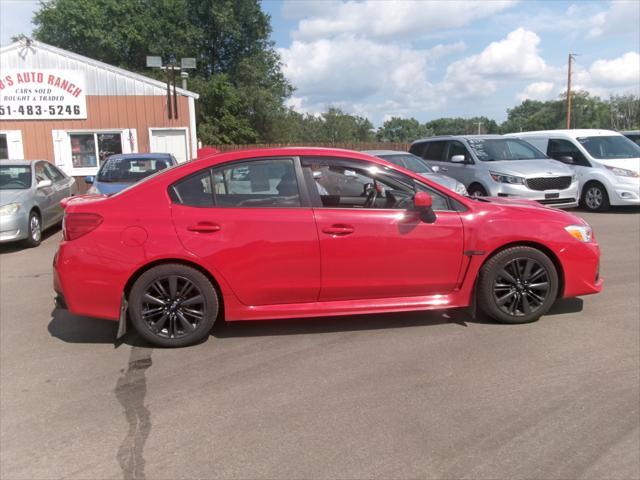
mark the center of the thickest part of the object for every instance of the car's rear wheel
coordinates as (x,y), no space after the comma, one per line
(34,230)
(517,285)
(595,197)
(476,190)
(173,305)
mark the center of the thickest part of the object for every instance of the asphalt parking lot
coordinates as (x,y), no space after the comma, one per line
(418,395)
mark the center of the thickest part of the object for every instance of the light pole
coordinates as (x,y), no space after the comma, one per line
(170,68)
(571,57)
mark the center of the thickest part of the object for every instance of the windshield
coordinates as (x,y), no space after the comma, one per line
(614,146)
(15,177)
(412,162)
(130,170)
(489,150)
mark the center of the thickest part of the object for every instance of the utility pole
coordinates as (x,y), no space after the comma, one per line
(571,57)
(479,127)
(170,68)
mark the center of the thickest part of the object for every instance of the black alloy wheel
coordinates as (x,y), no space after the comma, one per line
(517,285)
(173,305)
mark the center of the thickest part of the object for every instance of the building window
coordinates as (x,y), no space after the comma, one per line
(87,149)
(4,148)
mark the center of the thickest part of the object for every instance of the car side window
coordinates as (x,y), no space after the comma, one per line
(259,183)
(53,172)
(41,173)
(419,148)
(434,151)
(341,183)
(559,148)
(194,190)
(457,148)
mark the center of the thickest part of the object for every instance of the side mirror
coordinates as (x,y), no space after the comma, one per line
(44,184)
(435,169)
(566,159)
(89,179)
(458,159)
(422,201)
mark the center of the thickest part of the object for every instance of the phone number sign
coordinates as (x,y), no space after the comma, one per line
(42,95)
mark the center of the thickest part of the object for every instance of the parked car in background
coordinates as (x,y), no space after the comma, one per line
(633,135)
(497,166)
(30,196)
(607,163)
(119,171)
(255,235)
(418,165)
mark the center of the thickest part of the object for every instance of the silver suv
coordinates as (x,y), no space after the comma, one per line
(497,166)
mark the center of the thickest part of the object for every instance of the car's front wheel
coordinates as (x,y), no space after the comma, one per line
(173,305)
(595,197)
(517,285)
(34,230)
(477,190)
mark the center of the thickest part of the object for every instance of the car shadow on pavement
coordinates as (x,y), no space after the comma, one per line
(71,328)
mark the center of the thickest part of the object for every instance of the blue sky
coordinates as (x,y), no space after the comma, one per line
(428,58)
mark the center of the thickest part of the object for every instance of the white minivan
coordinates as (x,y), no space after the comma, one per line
(607,163)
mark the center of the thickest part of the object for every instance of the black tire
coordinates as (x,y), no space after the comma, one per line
(594,197)
(517,285)
(164,321)
(34,230)
(477,190)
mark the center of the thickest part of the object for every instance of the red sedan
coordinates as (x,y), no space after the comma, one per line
(307,232)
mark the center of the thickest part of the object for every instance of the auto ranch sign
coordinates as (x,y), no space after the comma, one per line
(42,95)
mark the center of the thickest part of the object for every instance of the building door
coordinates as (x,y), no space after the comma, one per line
(173,141)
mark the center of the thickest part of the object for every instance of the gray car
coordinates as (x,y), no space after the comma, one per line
(30,195)
(418,165)
(497,166)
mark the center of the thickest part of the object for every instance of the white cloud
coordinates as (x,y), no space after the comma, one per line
(391,18)
(622,17)
(538,91)
(622,71)
(515,57)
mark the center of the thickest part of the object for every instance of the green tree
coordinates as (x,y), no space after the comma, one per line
(238,70)
(402,130)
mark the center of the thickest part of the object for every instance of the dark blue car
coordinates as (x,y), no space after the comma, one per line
(119,171)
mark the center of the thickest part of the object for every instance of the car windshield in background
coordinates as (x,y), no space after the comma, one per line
(130,170)
(614,146)
(494,149)
(15,177)
(411,161)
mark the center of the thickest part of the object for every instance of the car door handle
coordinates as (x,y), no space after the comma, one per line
(204,227)
(338,230)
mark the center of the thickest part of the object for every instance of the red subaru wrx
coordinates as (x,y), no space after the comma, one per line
(302,232)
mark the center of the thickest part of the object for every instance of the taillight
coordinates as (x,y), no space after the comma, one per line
(76,225)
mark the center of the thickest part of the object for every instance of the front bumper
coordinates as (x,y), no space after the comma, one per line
(567,198)
(581,266)
(13,227)
(626,192)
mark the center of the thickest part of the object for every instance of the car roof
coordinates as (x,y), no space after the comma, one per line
(386,152)
(459,137)
(121,156)
(19,163)
(573,133)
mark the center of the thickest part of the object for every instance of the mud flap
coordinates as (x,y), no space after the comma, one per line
(122,322)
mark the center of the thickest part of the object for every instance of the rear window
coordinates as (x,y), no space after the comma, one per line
(130,170)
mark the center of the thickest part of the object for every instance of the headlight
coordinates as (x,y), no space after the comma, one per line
(460,190)
(584,233)
(502,178)
(574,178)
(622,172)
(9,209)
